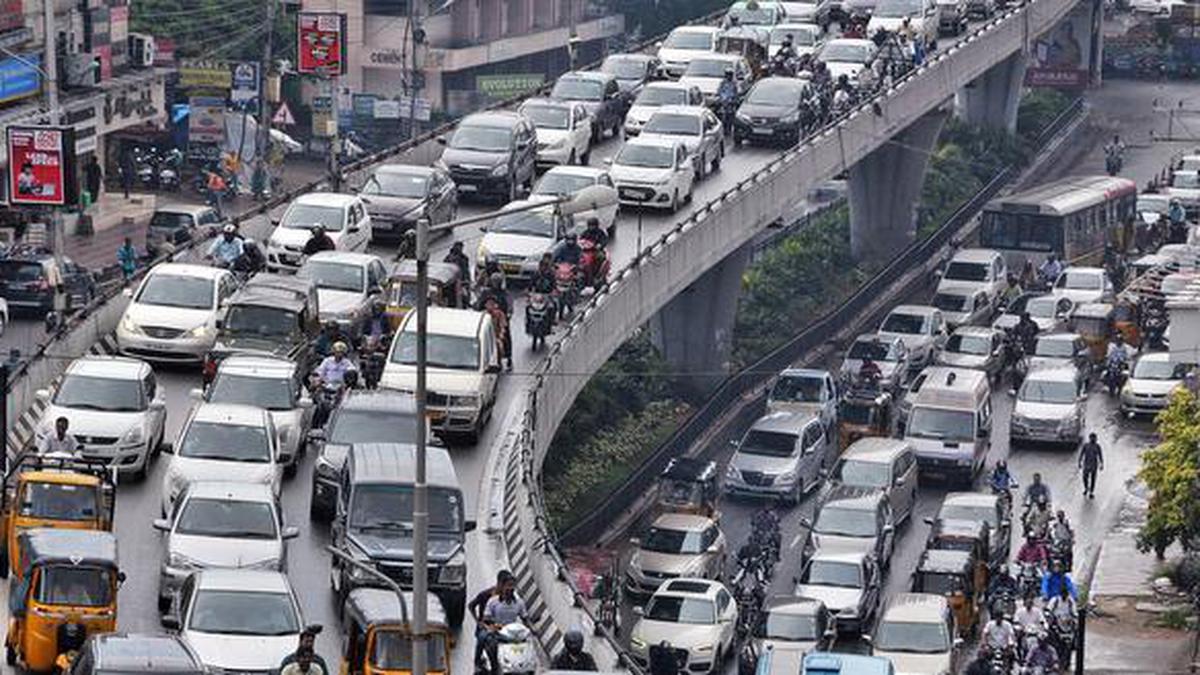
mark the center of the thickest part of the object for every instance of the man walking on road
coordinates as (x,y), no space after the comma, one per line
(1091,461)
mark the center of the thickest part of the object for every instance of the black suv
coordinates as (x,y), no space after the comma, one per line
(491,154)
(130,653)
(600,94)
(30,279)
(272,315)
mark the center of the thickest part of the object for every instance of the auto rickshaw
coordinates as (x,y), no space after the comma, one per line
(446,289)
(379,639)
(68,578)
(689,485)
(1093,321)
(63,493)
(956,575)
(862,414)
(969,536)
(752,42)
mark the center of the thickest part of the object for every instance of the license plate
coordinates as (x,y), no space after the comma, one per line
(763,130)
(510,267)
(467,187)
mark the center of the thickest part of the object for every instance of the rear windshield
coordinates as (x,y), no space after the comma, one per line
(56,501)
(20,272)
(74,585)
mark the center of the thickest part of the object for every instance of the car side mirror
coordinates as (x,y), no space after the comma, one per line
(162,524)
(608,161)
(170,622)
(168,448)
(158,405)
(959,642)
(442,140)
(469,525)
(638,610)
(291,532)
(806,522)
(1012,392)
(274,220)
(900,481)
(43,395)
(887,529)
(196,394)
(866,638)
(928,521)
(714,549)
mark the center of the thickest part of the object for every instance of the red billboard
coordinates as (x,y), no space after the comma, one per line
(321,41)
(41,164)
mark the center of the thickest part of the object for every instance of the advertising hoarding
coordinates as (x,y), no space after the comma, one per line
(321,42)
(42,163)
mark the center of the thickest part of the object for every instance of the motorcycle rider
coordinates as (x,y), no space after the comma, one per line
(573,657)
(1118,353)
(503,608)
(594,233)
(1037,520)
(331,334)
(1061,612)
(1026,332)
(785,57)
(999,634)
(226,249)
(1034,551)
(569,252)
(869,373)
(727,97)
(1042,658)
(318,241)
(1037,490)
(1002,585)
(1114,154)
(1012,290)
(1056,580)
(1029,617)
(1001,480)
(333,368)
(1177,218)
(1050,269)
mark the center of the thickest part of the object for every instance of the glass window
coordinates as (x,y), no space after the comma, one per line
(442,351)
(563,184)
(227,518)
(789,626)
(864,473)
(75,585)
(680,39)
(272,393)
(304,216)
(909,324)
(1151,369)
(768,443)
(644,155)
(58,501)
(334,275)
(481,138)
(548,116)
(673,124)
(850,522)
(397,184)
(960,343)
(390,507)
(226,442)
(392,651)
(679,609)
(260,321)
(918,637)
(577,89)
(171,290)
(350,425)
(822,572)
(942,424)
(665,540)
(84,392)
(243,613)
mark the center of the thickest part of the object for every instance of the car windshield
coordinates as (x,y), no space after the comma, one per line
(15,272)
(531,222)
(707,68)
(833,573)
(1150,369)
(676,609)
(304,216)
(904,636)
(908,324)
(1047,391)
(562,184)
(272,393)
(656,96)
(390,507)
(204,517)
(869,349)
(939,583)
(1042,308)
(548,116)
(977,514)
(226,442)
(1185,180)
(1059,349)
(335,276)
(397,184)
(768,443)
(686,39)
(165,220)
(966,271)
(895,9)
(845,52)
(100,393)
(351,426)
(624,67)
(392,650)
(952,302)
(855,413)
(74,585)
(665,540)
(58,501)
(673,124)
(261,321)
(775,94)
(578,89)
(798,389)
(647,156)
(1082,281)
(785,626)
(840,521)
(171,290)
(442,351)
(800,38)
(481,138)
(969,344)
(860,472)
(941,424)
(243,613)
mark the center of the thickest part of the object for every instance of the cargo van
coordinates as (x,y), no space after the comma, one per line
(951,423)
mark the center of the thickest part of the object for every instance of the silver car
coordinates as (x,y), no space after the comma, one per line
(1050,407)
(885,464)
(172,315)
(791,628)
(847,583)
(221,524)
(854,520)
(781,456)
(698,128)
(676,545)
(975,347)
(1150,383)
(347,283)
(889,353)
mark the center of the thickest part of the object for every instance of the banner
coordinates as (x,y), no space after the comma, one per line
(502,87)
(198,75)
(1061,58)
(244,92)
(20,77)
(321,41)
(42,165)
(206,119)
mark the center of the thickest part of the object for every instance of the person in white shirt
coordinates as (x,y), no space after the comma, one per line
(1030,617)
(59,443)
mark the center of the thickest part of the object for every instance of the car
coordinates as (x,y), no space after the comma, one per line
(564,181)
(1083,285)
(831,663)
(655,95)
(979,507)
(172,315)
(806,390)
(519,236)
(790,628)
(1150,383)
(885,464)
(963,307)
(781,455)
(698,128)
(981,9)
(922,16)
(907,396)
(274,384)
(806,38)
(136,654)
(343,217)
(853,519)
(632,71)
(675,545)
(600,94)
(918,634)
(275,315)
(1058,350)
(347,285)
(1049,313)
(975,347)
(491,154)
(398,195)
(1161,8)
(1185,185)
(564,131)
(848,584)
(221,524)
(922,328)
(772,112)
(32,281)
(1152,207)
(706,72)
(222,441)
(655,173)
(889,353)
(847,56)
(950,423)
(752,13)
(1049,408)
(975,269)
(117,411)
(175,225)
(1176,283)
(683,44)
(696,616)
(954,16)
(239,620)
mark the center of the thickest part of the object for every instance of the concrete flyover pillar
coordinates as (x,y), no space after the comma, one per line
(694,331)
(991,100)
(884,189)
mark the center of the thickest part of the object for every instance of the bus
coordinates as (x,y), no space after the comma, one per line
(1073,218)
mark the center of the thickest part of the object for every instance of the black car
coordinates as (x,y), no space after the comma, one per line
(30,279)
(600,94)
(130,653)
(272,315)
(397,195)
(771,112)
(631,70)
(491,154)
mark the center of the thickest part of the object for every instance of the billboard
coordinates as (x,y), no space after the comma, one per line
(20,77)
(1062,58)
(321,42)
(42,165)
(500,87)
(206,119)
(244,92)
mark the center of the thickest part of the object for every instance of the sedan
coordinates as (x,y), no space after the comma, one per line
(696,616)
(923,330)
(518,238)
(676,545)
(398,195)
(1084,284)
(656,173)
(347,284)
(1153,378)
(698,128)
(847,583)
(1060,350)
(564,131)
(806,38)
(772,112)
(564,181)
(1049,313)
(172,315)
(791,628)
(854,520)
(706,73)
(1050,408)
(975,347)
(631,70)
(889,354)
(963,306)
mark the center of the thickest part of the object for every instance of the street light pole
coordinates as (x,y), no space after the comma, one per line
(420,489)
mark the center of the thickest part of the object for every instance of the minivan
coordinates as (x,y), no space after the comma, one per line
(951,422)
(131,653)
(885,464)
(918,635)
(781,455)
(491,154)
(975,269)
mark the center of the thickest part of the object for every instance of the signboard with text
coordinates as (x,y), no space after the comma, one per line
(321,42)
(42,165)
(244,92)
(501,87)
(1062,58)
(203,75)
(12,15)
(20,77)
(206,119)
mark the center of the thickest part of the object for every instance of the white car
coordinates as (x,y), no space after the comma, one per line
(655,95)
(649,172)
(1151,383)
(698,128)
(923,18)
(1083,285)
(223,441)
(172,316)
(1185,186)
(684,44)
(976,269)
(239,620)
(344,218)
(115,408)
(564,130)
(963,306)
(922,328)
(518,238)
(917,634)
(847,56)
(806,37)
(694,615)
(1048,312)
(562,181)
(347,284)
(1155,7)
(706,72)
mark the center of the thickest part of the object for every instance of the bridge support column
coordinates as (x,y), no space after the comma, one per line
(992,99)
(694,331)
(884,189)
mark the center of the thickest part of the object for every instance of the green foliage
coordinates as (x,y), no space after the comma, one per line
(214,29)
(1038,108)
(1170,470)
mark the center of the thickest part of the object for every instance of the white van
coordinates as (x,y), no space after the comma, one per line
(463,368)
(975,269)
(950,423)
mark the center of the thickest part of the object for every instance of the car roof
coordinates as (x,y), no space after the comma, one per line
(491,118)
(634,56)
(970,499)
(981,331)
(804,372)
(1085,270)
(381,606)
(668,84)
(941,560)
(696,29)
(876,337)
(326,199)
(916,607)
(1058,374)
(550,102)
(229,413)
(109,367)
(655,141)
(346,257)
(388,400)
(923,310)
(975,255)
(266,296)
(857,497)
(957,528)
(397,463)
(189,209)
(845,557)
(143,653)
(690,469)
(595,75)
(689,586)
(1155,357)
(796,26)
(688,522)
(785,421)
(678,109)
(45,544)
(857,42)
(405,169)
(576,170)
(1059,337)
(250,365)
(719,56)
(233,490)
(795,606)
(242,579)
(876,449)
(187,270)
(448,321)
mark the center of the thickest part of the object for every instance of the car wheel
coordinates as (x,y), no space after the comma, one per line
(675,202)
(716,163)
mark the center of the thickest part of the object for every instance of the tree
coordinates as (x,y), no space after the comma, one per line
(1171,471)
(229,30)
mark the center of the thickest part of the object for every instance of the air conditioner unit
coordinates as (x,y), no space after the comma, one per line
(141,50)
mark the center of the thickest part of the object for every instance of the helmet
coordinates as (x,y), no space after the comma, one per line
(573,639)
(1001,464)
(496,280)
(229,229)
(340,347)
(317,228)
(593,222)
(571,237)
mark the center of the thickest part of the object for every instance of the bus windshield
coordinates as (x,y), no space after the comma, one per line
(1021,231)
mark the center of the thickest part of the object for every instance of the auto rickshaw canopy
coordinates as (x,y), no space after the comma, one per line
(381,638)
(79,548)
(689,485)
(944,572)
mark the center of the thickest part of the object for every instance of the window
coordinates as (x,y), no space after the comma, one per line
(386,7)
(722,601)
(812,436)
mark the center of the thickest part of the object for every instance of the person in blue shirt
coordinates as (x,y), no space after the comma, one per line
(127,257)
(1001,479)
(227,248)
(334,367)
(1054,581)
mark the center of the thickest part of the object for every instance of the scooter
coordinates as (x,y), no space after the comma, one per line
(1114,376)
(516,650)
(566,288)
(594,264)
(539,318)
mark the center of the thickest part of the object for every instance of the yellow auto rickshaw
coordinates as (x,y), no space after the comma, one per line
(689,485)
(67,591)
(446,289)
(956,575)
(862,414)
(379,639)
(63,493)
(1093,321)
(1127,319)
(752,42)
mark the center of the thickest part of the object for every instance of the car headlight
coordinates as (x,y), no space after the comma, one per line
(481,254)
(786,477)
(129,325)
(199,331)
(637,643)
(500,170)
(357,574)
(1127,389)
(452,574)
(181,561)
(665,180)
(732,473)
(465,401)
(1069,424)
(704,649)
(790,119)
(134,435)
(743,118)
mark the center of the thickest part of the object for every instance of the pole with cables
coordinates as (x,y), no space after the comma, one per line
(56,233)
(264,105)
(420,488)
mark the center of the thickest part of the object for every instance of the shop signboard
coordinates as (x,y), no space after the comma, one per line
(20,78)
(321,42)
(502,87)
(206,119)
(244,93)
(42,161)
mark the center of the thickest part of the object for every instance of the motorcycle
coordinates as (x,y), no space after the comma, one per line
(783,66)
(1154,330)
(1114,376)
(1029,580)
(516,651)
(1113,163)
(594,264)
(1062,548)
(168,170)
(566,288)
(372,358)
(1062,636)
(539,319)
(327,396)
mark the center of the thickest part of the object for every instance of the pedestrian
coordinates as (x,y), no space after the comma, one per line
(127,257)
(308,642)
(1091,461)
(126,167)
(60,442)
(216,185)
(94,177)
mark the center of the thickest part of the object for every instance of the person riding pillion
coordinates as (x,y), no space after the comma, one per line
(227,248)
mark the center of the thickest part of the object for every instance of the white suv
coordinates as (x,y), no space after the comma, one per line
(344,218)
(696,616)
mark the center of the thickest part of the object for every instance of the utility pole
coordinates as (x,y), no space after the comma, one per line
(412,73)
(56,233)
(421,489)
(264,106)
(335,175)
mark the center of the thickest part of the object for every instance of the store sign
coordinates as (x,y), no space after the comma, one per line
(386,58)
(387,110)
(245,90)
(19,77)
(1061,58)
(364,105)
(42,162)
(195,75)
(12,15)
(507,86)
(321,42)
(420,109)
(206,119)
